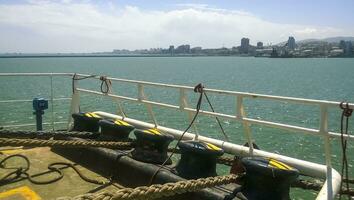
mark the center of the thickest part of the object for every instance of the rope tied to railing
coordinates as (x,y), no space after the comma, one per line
(77,78)
(346,113)
(198,89)
(106,84)
(159,191)
(105,87)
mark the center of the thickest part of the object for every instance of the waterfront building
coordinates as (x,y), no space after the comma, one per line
(291,43)
(342,44)
(245,44)
(171,49)
(196,50)
(348,51)
(186,48)
(259,45)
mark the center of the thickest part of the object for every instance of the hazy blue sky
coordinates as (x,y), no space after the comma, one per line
(86,26)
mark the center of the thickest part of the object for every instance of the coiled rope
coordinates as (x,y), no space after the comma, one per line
(159,191)
(21,172)
(105,82)
(65,143)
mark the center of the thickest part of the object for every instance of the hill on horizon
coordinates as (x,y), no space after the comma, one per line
(329,40)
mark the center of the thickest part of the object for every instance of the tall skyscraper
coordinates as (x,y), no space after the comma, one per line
(291,43)
(245,43)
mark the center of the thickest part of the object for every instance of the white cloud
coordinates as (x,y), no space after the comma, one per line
(68,27)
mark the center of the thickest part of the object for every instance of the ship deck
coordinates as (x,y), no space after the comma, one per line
(69,186)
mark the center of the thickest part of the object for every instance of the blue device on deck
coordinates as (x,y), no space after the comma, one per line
(39,105)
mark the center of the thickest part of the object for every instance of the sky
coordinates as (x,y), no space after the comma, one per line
(66,26)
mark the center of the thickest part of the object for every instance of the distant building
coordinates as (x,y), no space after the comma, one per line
(342,44)
(171,49)
(259,45)
(186,48)
(347,47)
(291,43)
(348,51)
(245,44)
(196,50)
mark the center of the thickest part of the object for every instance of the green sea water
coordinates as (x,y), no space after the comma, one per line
(326,79)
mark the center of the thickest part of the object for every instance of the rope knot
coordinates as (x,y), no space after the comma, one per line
(347,111)
(199,88)
(105,84)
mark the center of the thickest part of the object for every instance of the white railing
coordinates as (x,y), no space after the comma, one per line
(332,184)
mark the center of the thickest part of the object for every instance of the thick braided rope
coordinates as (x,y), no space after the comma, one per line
(40,134)
(64,143)
(159,191)
(225,160)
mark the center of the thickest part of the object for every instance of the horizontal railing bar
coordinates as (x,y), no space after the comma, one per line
(214,114)
(129,99)
(28,100)
(24,125)
(249,120)
(228,92)
(36,74)
(141,82)
(110,95)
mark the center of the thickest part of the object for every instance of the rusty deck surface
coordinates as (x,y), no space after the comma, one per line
(69,186)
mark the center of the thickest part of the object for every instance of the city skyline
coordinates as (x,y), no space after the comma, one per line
(86,26)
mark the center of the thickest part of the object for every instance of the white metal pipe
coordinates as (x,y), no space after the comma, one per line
(305,167)
(36,74)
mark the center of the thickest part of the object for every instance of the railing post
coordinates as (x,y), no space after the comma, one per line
(120,106)
(240,114)
(141,98)
(327,146)
(52,100)
(184,104)
(75,102)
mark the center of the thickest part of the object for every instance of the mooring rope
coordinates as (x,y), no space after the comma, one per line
(19,173)
(65,143)
(346,113)
(217,119)
(157,190)
(46,134)
(198,89)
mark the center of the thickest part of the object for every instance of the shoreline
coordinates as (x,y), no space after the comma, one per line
(138,55)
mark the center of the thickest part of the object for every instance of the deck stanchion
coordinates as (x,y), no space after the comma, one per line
(240,114)
(327,147)
(75,102)
(142,98)
(52,101)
